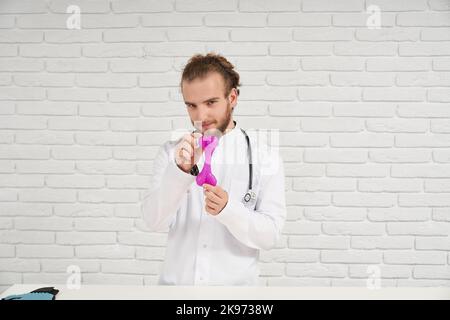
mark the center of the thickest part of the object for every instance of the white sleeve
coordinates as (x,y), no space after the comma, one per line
(168,184)
(259,228)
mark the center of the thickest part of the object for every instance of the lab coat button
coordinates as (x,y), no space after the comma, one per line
(205,246)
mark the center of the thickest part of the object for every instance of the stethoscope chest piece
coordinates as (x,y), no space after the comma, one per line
(249,197)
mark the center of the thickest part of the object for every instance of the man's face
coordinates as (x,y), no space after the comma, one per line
(206,103)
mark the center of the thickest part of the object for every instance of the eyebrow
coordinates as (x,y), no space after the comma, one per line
(214,98)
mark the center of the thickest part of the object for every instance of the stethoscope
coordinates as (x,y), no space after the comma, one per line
(250,196)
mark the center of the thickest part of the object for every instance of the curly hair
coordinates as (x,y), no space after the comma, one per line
(199,66)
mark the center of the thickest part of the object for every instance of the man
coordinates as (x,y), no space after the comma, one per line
(214,236)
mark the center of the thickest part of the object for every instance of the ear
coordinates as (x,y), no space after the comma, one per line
(233,97)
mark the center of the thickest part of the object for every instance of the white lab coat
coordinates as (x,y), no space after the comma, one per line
(204,249)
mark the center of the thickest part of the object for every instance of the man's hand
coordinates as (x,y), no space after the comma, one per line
(215,199)
(187,154)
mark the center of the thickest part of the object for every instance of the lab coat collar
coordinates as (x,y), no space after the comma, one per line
(231,133)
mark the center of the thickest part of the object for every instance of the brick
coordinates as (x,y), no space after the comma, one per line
(394,125)
(398,64)
(424,200)
(318,242)
(62,265)
(432,243)
(362,79)
(105,251)
(102,224)
(329,5)
(322,34)
(130,267)
(353,228)
(357,170)
(98,6)
(422,140)
(426,228)
(431,272)
(398,214)
(155,254)
(368,109)
(308,198)
(301,49)
(423,79)
(440,126)
(341,155)
(42,21)
(423,19)
(332,125)
(434,34)
(138,6)
(389,185)
(84,238)
(393,94)
(316,270)
(360,19)
(423,110)
(335,214)
(413,257)
(26,237)
(387,34)
(438,95)
(350,257)
(235,20)
(332,64)
(370,140)
(197,34)
(298,19)
(441,156)
(420,171)
(44,251)
(309,109)
(383,200)
(438,48)
(20,64)
(29,6)
(394,272)
(437,185)
(381,242)
(50,195)
(365,49)
(329,94)
(20,265)
(400,5)
(136,35)
(78,65)
(21,36)
(91,21)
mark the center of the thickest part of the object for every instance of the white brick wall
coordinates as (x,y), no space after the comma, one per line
(364,116)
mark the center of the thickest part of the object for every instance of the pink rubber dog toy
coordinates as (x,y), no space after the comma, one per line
(208,143)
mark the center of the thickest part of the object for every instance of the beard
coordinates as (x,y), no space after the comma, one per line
(222,126)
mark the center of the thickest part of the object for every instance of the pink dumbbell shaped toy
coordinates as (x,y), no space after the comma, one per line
(208,143)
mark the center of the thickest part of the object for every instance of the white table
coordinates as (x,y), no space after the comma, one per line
(108,292)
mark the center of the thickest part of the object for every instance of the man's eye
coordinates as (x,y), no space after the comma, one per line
(210,102)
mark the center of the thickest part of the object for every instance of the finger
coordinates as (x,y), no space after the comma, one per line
(210,209)
(185,156)
(214,189)
(212,203)
(212,197)
(187,146)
